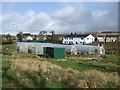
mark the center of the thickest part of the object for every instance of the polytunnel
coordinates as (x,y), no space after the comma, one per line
(87,49)
(22,47)
(38,48)
(67,48)
(34,48)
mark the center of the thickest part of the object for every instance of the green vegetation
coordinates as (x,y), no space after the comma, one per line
(6,43)
(108,64)
(81,71)
(9,48)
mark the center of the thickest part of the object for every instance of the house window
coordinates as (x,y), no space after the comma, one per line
(76,42)
(87,38)
(81,38)
(65,42)
(72,38)
(81,42)
(70,42)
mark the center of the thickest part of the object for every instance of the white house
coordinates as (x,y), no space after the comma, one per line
(29,38)
(107,38)
(78,39)
(112,38)
(101,38)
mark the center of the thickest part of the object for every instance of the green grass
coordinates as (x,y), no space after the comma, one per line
(10,48)
(0,73)
(69,64)
(109,63)
(34,80)
(13,79)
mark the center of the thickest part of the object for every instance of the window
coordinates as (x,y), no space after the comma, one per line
(71,38)
(87,38)
(76,42)
(81,38)
(65,42)
(70,42)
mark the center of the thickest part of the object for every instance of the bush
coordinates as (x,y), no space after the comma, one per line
(104,56)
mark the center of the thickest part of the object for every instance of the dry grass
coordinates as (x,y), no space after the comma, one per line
(51,72)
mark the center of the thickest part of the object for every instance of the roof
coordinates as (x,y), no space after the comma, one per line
(109,32)
(112,35)
(101,36)
(79,35)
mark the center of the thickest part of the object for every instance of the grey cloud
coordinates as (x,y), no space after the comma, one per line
(66,20)
(83,20)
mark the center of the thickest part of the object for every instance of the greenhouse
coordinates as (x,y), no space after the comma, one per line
(38,48)
(87,49)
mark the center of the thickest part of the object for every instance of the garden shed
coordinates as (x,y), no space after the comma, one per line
(55,52)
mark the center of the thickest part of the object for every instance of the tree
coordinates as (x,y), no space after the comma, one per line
(19,36)
(42,32)
(71,33)
(27,34)
(35,37)
(53,32)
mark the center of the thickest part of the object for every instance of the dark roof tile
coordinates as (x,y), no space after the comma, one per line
(79,35)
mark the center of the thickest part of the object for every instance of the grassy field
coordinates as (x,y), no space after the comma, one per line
(75,71)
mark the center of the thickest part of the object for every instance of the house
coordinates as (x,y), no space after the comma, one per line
(108,36)
(78,39)
(110,33)
(101,38)
(29,38)
(7,38)
(112,38)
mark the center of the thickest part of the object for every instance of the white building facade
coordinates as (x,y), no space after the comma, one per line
(101,38)
(78,39)
(29,38)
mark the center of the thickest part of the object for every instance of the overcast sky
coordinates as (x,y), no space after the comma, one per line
(62,17)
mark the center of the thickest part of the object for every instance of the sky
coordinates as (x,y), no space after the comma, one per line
(62,17)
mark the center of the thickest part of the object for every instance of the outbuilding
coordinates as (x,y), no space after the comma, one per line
(55,52)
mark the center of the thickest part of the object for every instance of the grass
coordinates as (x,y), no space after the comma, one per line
(32,78)
(9,48)
(66,64)
(31,71)
(107,64)
(54,73)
